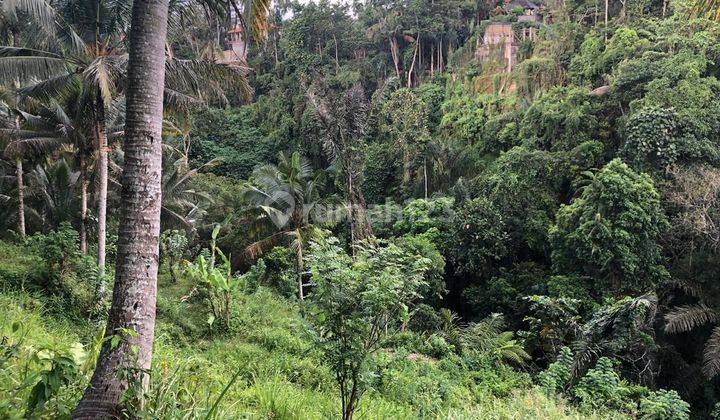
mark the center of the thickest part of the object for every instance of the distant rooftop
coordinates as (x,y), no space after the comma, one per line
(525,4)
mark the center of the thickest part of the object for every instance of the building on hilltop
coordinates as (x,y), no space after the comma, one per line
(236,50)
(531,11)
(502,40)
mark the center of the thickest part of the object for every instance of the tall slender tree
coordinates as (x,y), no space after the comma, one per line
(90,53)
(23,144)
(134,295)
(132,314)
(343,117)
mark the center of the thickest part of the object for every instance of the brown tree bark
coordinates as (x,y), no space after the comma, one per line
(134,295)
(102,189)
(21,196)
(395,52)
(299,266)
(83,204)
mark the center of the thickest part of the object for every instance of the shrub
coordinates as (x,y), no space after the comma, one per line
(664,405)
(173,245)
(19,267)
(602,387)
(57,249)
(557,376)
(356,302)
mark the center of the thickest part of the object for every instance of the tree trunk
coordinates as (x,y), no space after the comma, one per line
(441,60)
(83,204)
(607,5)
(21,196)
(425,176)
(412,66)
(432,60)
(102,188)
(134,295)
(395,51)
(299,257)
(337,57)
(359,224)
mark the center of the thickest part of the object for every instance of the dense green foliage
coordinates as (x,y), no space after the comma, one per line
(397,223)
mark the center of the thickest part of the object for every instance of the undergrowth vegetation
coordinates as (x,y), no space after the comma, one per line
(267,361)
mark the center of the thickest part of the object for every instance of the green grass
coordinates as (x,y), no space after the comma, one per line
(280,374)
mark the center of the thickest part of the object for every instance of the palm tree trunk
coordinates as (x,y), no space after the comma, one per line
(299,256)
(21,196)
(83,204)
(134,295)
(425,176)
(19,176)
(102,190)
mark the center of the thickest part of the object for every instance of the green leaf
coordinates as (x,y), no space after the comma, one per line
(114,341)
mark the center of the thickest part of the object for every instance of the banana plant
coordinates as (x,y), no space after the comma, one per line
(216,279)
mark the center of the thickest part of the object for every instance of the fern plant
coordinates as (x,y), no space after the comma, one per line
(486,337)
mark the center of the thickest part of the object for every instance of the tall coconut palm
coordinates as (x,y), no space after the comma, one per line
(24,144)
(134,295)
(90,53)
(77,51)
(286,194)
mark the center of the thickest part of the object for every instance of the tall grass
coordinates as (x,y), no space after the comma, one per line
(264,367)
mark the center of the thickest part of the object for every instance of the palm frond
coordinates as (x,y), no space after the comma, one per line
(204,78)
(104,73)
(177,101)
(38,10)
(177,217)
(57,87)
(48,20)
(685,318)
(257,248)
(36,146)
(258,14)
(688,287)
(13,134)
(707,8)
(23,65)
(711,354)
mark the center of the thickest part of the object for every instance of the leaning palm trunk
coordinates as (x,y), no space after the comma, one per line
(21,196)
(102,188)
(134,294)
